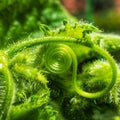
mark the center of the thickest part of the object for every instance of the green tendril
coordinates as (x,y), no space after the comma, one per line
(58,60)
(111,61)
(14,49)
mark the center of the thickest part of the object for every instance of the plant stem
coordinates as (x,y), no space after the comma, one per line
(14,49)
(43,40)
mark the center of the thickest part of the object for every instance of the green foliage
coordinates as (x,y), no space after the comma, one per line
(24,17)
(70,66)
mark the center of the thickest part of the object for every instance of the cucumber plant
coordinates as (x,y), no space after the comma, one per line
(23,76)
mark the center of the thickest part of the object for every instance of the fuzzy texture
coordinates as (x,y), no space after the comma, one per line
(37,66)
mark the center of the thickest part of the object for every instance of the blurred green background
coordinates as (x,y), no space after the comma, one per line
(21,19)
(103,13)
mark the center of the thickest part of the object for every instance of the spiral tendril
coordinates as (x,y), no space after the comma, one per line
(58,58)
(6,87)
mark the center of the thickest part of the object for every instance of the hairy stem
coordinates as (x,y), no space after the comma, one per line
(14,49)
(111,61)
(6,88)
(43,40)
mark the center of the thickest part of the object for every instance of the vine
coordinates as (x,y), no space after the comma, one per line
(6,87)
(57,64)
(112,82)
(59,53)
(58,59)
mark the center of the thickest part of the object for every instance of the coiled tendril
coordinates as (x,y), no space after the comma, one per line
(59,66)
(58,58)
